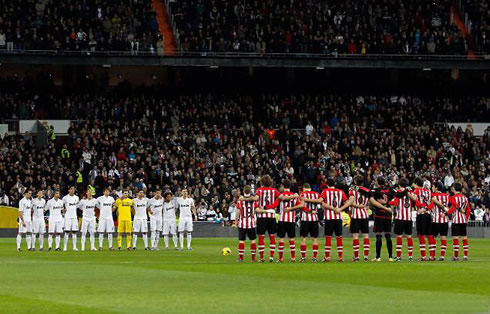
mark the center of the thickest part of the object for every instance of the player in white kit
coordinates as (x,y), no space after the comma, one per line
(185,206)
(169,219)
(156,206)
(55,207)
(106,221)
(38,223)
(25,220)
(140,221)
(71,221)
(87,205)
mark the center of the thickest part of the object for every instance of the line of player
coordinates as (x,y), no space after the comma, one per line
(162,213)
(435,209)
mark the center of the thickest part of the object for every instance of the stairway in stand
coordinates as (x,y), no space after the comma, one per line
(165,27)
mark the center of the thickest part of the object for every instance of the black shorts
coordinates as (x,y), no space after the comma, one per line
(268,225)
(423,224)
(403,227)
(284,228)
(244,233)
(359,226)
(309,228)
(333,226)
(382,225)
(458,230)
(439,229)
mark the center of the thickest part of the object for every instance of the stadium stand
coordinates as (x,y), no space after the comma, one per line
(329,27)
(214,144)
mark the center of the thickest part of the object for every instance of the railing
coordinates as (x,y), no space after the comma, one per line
(394,57)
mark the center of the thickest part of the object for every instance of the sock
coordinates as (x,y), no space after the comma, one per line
(145,240)
(456,247)
(399,244)
(443,248)
(410,247)
(65,241)
(272,246)
(101,239)
(379,244)
(189,239)
(292,249)
(119,239)
(165,240)
(19,240)
(422,245)
(41,241)
(355,246)
(281,250)
(432,246)
(57,241)
(50,240)
(152,236)
(29,241)
(261,246)
(315,250)
(109,238)
(74,239)
(135,239)
(33,240)
(174,238)
(181,238)
(157,238)
(128,240)
(83,241)
(328,246)
(303,250)
(465,247)
(241,250)
(92,240)
(253,249)
(366,247)
(389,245)
(340,247)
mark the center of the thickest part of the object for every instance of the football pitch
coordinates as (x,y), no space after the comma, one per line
(204,281)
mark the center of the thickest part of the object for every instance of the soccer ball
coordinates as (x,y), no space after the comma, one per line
(226,251)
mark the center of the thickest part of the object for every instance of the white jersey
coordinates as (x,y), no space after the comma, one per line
(156,207)
(88,207)
(140,206)
(169,210)
(105,205)
(38,206)
(55,207)
(25,206)
(71,205)
(185,207)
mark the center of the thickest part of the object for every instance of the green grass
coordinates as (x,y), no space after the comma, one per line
(203,281)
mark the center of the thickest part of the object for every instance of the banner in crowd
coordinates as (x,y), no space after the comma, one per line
(8,217)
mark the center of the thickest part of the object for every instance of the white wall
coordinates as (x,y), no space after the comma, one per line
(478,128)
(60,126)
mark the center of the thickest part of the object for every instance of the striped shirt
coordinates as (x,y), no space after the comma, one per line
(403,206)
(289,215)
(460,207)
(267,196)
(438,215)
(424,196)
(361,197)
(307,211)
(246,211)
(333,197)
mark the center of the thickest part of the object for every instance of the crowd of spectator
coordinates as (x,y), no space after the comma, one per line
(478,23)
(215,144)
(79,25)
(323,27)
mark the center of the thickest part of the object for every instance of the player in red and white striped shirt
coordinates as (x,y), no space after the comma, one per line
(287,216)
(440,220)
(403,218)
(424,218)
(245,221)
(331,200)
(460,208)
(358,198)
(309,221)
